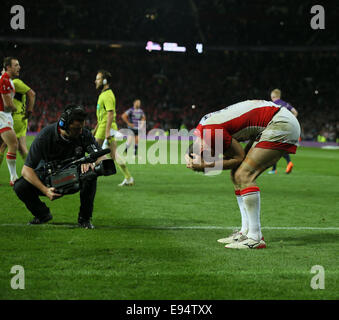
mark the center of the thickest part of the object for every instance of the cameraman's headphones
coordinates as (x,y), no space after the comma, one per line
(65,117)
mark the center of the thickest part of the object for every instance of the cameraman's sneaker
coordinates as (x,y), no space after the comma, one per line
(235,236)
(86,224)
(42,219)
(247,243)
(127,182)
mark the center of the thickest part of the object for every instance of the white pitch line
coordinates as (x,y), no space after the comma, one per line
(169,227)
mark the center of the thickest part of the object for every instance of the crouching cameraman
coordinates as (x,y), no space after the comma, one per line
(64,139)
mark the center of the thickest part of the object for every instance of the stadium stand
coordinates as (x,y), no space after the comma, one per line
(170,83)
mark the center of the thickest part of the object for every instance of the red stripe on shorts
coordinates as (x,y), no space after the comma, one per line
(290,148)
(5,129)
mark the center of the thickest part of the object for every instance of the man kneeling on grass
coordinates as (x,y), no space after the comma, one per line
(59,141)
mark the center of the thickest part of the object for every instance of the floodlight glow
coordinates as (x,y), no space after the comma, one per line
(115,45)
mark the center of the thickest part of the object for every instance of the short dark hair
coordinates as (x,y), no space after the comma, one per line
(8,62)
(75,113)
(106,75)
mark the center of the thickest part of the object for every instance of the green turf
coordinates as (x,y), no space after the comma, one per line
(157,240)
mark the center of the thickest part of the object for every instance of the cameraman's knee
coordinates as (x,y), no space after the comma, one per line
(20,187)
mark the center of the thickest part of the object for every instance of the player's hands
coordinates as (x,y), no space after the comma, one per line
(52,195)
(131,125)
(187,159)
(86,166)
(197,163)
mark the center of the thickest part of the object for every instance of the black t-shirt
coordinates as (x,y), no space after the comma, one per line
(49,146)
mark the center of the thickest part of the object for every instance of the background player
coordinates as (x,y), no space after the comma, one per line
(106,122)
(7,91)
(135,119)
(261,123)
(20,117)
(276,98)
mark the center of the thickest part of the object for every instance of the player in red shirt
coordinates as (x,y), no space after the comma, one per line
(271,131)
(12,68)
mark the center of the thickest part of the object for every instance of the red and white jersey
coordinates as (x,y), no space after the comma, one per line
(241,121)
(6,86)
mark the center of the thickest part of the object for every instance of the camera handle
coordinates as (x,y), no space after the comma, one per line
(92,157)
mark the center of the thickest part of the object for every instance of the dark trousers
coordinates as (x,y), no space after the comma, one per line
(29,195)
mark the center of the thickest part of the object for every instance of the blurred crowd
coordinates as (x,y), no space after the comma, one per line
(177,89)
(215,22)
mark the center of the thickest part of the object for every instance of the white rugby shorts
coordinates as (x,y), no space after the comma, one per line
(282,133)
(6,121)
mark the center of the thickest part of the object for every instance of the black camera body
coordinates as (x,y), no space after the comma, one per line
(66,181)
(66,177)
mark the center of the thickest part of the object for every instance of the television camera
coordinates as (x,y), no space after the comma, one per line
(66,177)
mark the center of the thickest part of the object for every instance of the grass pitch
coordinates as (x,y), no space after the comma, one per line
(157,240)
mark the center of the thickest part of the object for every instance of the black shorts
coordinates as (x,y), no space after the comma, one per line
(135,131)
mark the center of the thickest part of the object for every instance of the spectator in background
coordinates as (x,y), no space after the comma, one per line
(202,80)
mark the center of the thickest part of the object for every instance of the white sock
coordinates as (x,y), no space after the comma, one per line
(251,199)
(11,163)
(244,218)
